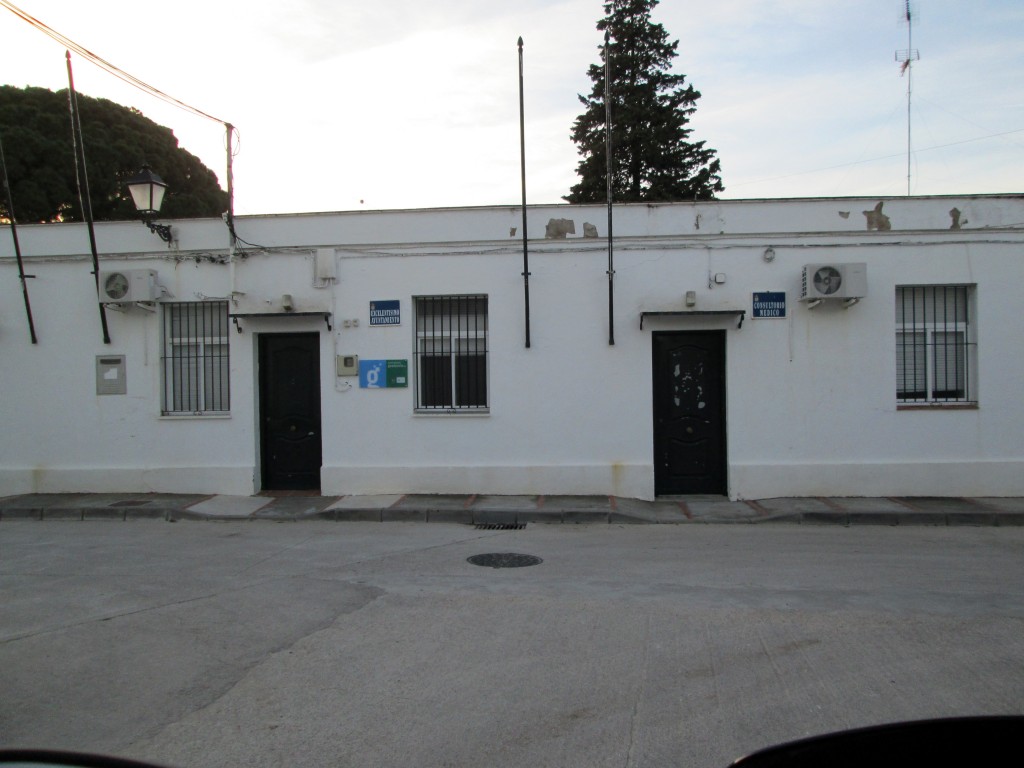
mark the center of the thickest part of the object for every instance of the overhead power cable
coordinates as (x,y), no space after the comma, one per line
(104,64)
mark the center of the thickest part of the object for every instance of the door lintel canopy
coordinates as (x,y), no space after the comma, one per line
(236,316)
(687,313)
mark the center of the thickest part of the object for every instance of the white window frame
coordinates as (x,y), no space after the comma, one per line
(196,359)
(931,369)
(461,335)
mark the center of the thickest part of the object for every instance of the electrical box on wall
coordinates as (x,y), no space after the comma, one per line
(347,365)
(110,375)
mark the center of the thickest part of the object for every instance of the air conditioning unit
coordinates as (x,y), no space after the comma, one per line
(834,281)
(128,286)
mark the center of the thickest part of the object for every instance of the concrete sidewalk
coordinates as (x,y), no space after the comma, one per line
(515,510)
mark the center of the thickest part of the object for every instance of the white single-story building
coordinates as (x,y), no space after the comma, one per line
(760,348)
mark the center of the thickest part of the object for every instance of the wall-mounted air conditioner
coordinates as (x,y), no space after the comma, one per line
(128,286)
(834,281)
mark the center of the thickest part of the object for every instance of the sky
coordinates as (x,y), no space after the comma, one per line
(347,104)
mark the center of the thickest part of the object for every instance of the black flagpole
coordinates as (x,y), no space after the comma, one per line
(608,175)
(522,154)
(83,190)
(17,248)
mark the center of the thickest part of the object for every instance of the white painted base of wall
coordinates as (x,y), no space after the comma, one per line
(746,481)
(212,480)
(625,480)
(949,478)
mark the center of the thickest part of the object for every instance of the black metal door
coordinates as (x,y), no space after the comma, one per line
(290,444)
(689,413)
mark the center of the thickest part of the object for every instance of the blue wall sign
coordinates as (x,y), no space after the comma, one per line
(769,304)
(373,374)
(383,374)
(386,312)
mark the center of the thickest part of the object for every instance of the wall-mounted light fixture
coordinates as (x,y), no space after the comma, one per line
(147,191)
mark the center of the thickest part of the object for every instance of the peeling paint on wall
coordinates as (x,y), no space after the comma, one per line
(589,230)
(559,228)
(844,214)
(955,214)
(877,219)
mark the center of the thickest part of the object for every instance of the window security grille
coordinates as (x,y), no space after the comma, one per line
(195,358)
(451,353)
(935,349)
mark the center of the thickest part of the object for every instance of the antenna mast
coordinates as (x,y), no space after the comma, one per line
(906,59)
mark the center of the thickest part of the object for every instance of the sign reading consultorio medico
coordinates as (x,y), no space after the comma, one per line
(386,312)
(769,304)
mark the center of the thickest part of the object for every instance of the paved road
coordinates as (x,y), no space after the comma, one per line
(378,644)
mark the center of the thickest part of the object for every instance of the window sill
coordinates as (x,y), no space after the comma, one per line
(190,416)
(971,406)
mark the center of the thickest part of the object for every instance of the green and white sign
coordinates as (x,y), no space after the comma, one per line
(383,374)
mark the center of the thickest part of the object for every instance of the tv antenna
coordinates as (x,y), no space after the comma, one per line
(906,59)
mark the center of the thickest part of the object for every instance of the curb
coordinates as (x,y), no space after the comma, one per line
(520,511)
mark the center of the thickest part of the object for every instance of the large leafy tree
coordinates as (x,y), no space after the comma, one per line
(35,126)
(653,157)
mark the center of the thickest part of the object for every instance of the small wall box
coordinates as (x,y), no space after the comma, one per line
(110,375)
(347,365)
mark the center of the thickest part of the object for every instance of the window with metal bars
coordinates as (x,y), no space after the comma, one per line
(195,358)
(935,348)
(451,353)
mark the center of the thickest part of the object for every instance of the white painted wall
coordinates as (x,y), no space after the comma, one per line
(811,398)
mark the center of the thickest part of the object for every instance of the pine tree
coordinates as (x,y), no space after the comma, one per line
(653,158)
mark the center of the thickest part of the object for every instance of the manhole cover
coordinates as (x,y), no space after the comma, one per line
(504,560)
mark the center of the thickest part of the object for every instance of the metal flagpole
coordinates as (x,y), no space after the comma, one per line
(608,175)
(522,155)
(83,189)
(17,248)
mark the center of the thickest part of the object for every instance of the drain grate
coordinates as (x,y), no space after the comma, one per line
(504,560)
(500,526)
